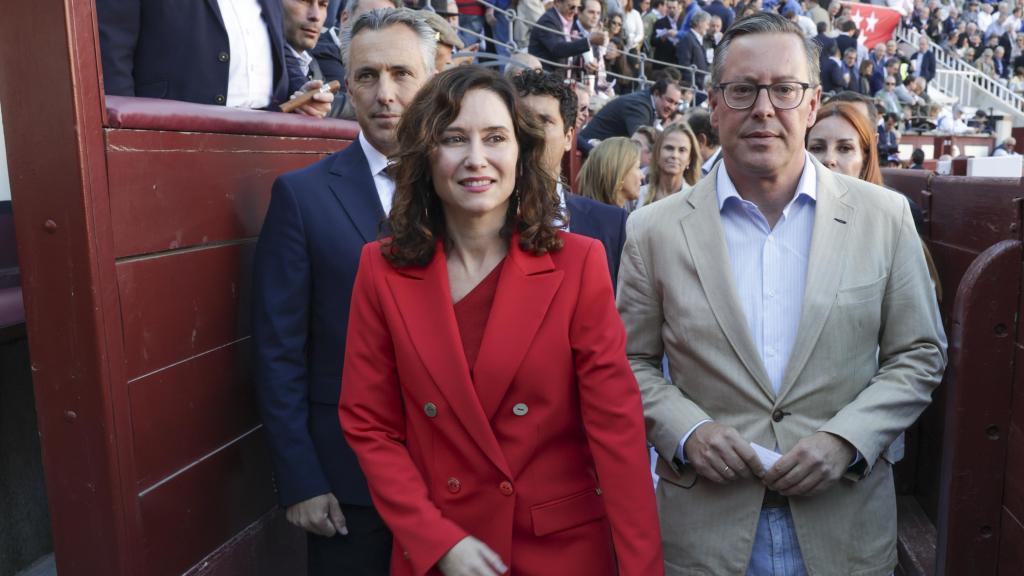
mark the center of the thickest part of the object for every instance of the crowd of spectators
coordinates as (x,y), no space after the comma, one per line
(634,63)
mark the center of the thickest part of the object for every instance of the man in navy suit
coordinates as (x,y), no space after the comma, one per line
(557,47)
(690,52)
(833,73)
(924,59)
(554,105)
(137,36)
(306,260)
(665,33)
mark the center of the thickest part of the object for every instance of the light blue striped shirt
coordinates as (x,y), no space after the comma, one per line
(769,265)
(769,269)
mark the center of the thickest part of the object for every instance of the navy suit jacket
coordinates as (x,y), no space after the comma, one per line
(727,14)
(328,55)
(306,260)
(601,222)
(621,116)
(177,50)
(553,46)
(927,70)
(664,49)
(832,76)
(690,52)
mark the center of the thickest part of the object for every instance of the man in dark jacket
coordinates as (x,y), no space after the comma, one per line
(665,34)
(552,46)
(690,51)
(924,59)
(203,67)
(624,114)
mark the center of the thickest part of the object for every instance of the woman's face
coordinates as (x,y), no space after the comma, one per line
(835,143)
(474,166)
(675,154)
(630,189)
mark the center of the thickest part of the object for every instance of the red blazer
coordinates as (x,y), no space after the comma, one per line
(549,465)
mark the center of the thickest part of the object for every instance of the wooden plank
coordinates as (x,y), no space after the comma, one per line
(980,377)
(1013,489)
(202,403)
(196,510)
(55,154)
(916,538)
(268,547)
(182,304)
(1011,550)
(973,213)
(176,190)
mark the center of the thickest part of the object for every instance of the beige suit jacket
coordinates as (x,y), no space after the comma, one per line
(869,351)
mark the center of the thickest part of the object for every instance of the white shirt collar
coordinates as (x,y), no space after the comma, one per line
(807,186)
(374,158)
(561,204)
(303,57)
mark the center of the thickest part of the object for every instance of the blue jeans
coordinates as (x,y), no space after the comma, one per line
(776,550)
(476,24)
(501,32)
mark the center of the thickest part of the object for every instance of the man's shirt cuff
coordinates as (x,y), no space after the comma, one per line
(680,453)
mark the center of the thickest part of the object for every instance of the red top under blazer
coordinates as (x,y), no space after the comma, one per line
(548,464)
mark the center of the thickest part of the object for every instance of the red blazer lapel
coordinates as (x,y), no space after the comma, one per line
(425,303)
(525,290)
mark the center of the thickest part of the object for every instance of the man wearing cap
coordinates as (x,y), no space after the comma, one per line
(447,40)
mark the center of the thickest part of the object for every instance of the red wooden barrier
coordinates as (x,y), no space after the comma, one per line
(136,222)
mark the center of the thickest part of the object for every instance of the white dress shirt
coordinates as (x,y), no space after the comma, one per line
(769,269)
(251,68)
(304,58)
(378,163)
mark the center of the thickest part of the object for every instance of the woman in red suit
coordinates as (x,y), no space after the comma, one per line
(486,390)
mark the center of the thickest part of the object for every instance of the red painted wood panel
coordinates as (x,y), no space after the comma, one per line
(201,404)
(973,213)
(1013,489)
(55,154)
(182,304)
(268,547)
(980,378)
(1011,551)
(175,190)
(195,512)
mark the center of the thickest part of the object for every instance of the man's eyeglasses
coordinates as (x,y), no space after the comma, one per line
(782,95)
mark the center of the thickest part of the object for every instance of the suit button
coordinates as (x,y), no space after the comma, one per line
(405,554)
(454,485)
(506,488)
(220,99)
(223,57)
(778,415)
(430,409)
(520,409)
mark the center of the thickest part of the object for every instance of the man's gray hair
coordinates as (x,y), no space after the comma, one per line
(352,5)
(699,18)
(765,23)
(382,18)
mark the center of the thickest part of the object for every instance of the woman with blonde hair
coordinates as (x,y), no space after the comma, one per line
(612,173)
(675,164)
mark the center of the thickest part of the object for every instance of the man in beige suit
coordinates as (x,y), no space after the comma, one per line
(796,312)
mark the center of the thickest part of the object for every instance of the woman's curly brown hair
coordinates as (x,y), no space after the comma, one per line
(417,214)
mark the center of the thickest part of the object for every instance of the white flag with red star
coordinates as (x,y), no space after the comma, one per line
(876,23)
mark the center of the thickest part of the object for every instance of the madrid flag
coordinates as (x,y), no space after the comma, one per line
(876,23)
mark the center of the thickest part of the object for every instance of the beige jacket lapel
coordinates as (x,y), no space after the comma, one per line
(833,218)
(702,226)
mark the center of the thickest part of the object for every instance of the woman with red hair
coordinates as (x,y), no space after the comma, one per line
(845,142)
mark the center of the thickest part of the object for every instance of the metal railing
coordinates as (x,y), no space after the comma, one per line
(956,77)
(638,82)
